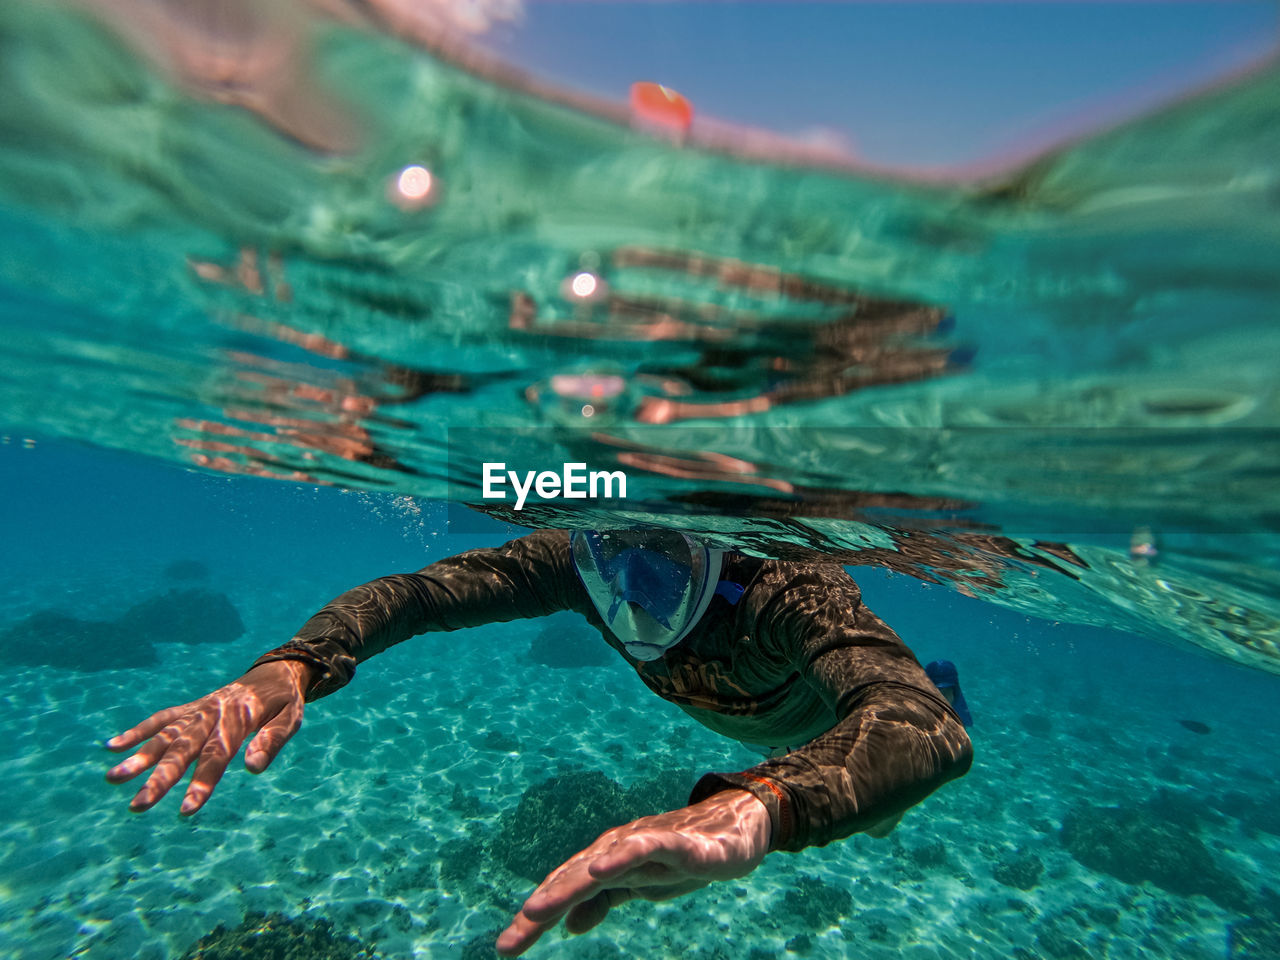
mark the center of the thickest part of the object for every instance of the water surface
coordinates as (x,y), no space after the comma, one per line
(1053,389)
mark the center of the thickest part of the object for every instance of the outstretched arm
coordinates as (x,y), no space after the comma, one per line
(850,779)
(897,739)
(653,858)
(528,577)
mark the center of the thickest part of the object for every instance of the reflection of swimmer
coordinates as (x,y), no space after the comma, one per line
(304,407)
(851,352)
(797,340)
(762,651)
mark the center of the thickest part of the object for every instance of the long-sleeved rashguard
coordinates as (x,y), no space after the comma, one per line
(798,659)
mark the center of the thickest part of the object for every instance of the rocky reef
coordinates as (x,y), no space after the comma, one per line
(273,936)
(566,812)
(1019,870)
(566,641)
(1254,938)
(816,904)
(1258,811)
(54,638)
(1150,844)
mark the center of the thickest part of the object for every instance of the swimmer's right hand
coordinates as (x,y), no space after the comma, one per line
(268,699)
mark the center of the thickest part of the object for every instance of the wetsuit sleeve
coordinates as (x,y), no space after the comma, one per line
(529,577)
(897,739)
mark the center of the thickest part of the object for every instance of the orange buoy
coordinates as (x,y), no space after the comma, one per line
(661,106)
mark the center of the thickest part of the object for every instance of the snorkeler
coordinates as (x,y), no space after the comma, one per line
(770,653)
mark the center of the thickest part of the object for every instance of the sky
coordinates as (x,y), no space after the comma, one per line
(924,85)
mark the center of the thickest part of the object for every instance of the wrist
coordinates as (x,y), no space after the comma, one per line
(303,672)
(750,815)
(756,815)
(769,794)
(300,673)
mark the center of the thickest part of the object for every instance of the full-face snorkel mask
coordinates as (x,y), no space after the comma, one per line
(649,586)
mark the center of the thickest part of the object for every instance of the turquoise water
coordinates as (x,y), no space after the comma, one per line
(385,814)
(1036,414)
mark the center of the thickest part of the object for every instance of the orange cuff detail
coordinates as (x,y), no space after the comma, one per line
(784,808)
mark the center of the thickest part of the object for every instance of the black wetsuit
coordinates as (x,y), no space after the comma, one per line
(798,659)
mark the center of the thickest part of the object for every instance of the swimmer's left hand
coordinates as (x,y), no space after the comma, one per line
(653,858)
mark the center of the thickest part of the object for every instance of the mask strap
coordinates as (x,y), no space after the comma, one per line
(730,591)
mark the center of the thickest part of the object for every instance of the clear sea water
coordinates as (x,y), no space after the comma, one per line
(241,370)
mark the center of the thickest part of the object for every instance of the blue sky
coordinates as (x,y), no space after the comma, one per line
(917,84)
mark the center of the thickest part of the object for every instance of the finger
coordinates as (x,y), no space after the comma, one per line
(589,913)
(172,765)
(522,934)
(576,880)
(147,728)
(272,737)
(214,759)
(563,889)
(147,757)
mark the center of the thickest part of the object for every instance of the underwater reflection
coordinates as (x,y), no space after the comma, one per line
(311,411)
(760,337)
(763,337)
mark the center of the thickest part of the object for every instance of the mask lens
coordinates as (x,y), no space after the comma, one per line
(654,572)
